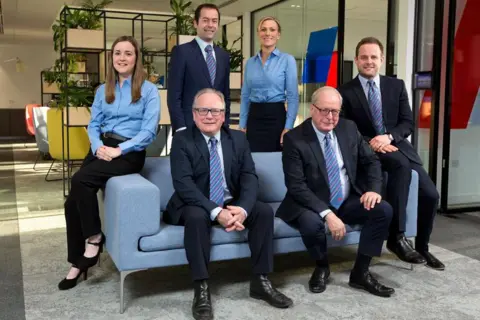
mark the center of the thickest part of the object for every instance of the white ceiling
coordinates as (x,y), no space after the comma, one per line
(29,21)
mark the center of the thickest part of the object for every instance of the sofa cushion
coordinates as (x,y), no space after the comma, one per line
(157,171)
(271,180)
(171,237)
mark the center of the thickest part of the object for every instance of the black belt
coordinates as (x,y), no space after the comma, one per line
(114,136)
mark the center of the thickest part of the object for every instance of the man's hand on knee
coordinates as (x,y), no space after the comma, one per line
(387,149)
(370,199)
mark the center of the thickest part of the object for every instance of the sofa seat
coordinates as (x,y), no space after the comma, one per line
(171,237)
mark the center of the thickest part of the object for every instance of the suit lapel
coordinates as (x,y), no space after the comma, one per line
(201,145)
(342,140)
(219,63)
(201,61)
(357,87)
(315,146)
(383,92)
(227,150)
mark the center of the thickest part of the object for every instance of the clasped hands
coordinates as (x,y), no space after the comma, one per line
(232,218)
(337,227)
(382,144)
(108,153)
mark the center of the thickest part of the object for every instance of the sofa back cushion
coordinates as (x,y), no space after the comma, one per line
(268,167)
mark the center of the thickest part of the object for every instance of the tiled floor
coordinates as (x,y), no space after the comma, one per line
(32,243)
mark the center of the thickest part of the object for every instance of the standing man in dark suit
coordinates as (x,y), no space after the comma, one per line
(380,108)
(197,65)
(215,183)
(320,161)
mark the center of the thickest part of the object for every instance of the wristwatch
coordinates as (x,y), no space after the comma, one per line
(390,137)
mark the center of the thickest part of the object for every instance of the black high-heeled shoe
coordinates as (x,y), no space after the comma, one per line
(66,284)
(84,262)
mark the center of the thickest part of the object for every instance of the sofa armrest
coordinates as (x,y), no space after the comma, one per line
(131,211)
(412,207)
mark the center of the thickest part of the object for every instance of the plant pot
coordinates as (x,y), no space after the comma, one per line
(77,116)
(235,80)
(172,40)
(85,40)
(50,88)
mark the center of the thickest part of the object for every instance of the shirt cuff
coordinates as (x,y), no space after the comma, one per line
(180,129)
(214,213)
(244,212)
(324,213)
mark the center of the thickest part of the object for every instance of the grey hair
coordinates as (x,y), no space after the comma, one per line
(326,88)
(208,90)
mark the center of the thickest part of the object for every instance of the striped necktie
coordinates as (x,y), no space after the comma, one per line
(211,64)
(333,172)
(375,107)
(216,176)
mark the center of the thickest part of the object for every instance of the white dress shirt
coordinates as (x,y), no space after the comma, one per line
(344,180)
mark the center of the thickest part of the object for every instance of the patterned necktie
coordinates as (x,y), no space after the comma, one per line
(216,176)
(211,64)
(333,171)
(375,107)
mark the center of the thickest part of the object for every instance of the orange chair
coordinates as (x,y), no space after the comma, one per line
(29,118)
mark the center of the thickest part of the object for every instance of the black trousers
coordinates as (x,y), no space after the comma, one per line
(265,124)
(197,238)
(375,227)
(81,207)
(399,169)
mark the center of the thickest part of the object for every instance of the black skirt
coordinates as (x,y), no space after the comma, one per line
(265,124)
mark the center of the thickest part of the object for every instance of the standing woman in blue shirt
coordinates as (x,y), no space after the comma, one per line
(124,120)
(270,80)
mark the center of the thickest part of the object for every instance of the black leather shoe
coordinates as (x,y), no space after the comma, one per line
(202,304)
(405,252)
(261,288)
(367,282)
(318,281)
(432,261)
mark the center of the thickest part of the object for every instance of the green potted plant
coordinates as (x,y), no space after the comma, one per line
(236,60)
(183,27)
(83,28)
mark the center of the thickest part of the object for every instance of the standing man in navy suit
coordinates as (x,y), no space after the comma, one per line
(197,65)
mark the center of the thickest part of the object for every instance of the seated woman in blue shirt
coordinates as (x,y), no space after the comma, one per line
(124,121)
(270,79)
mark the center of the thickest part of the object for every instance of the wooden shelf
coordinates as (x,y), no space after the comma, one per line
(81,40)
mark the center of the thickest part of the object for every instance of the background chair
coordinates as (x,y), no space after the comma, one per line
(41,136)
(79,142)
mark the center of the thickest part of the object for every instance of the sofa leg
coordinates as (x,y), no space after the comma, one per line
(411,266)
(123,275)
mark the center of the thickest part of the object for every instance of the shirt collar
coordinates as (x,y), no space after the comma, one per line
(207,138)
(203,44)
(321,135)
(275,52)
(127,81)
(364,81)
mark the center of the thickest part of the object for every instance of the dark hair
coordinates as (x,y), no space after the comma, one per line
(368,40)
(138,76)
(198,11)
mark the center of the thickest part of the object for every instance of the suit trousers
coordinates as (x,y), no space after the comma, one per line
(399,169)
(197,239)
(375,227)
(81,206)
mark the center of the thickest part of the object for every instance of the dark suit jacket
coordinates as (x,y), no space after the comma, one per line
(397,115)
(188,74)
(305,169)
(190,167)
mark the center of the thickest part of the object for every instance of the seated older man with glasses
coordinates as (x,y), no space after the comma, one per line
(215,184)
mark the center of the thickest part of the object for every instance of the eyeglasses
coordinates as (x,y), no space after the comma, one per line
(214,111)
(325,112)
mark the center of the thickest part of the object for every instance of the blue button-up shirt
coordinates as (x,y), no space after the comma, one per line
(276,81)
(137,121)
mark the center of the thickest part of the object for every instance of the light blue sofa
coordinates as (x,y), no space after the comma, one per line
(138,239)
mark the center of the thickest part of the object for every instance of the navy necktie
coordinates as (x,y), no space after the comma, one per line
(333,172)
(216,176)
(211,64)
(375,107)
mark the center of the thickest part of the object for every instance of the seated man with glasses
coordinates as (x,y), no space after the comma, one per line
(320,161)
(215,184)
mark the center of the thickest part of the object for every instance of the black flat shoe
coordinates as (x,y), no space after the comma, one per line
(405,252)
(318,281)
(67,284)
(261,288)
(202,303)
(84,262)
(368,283)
